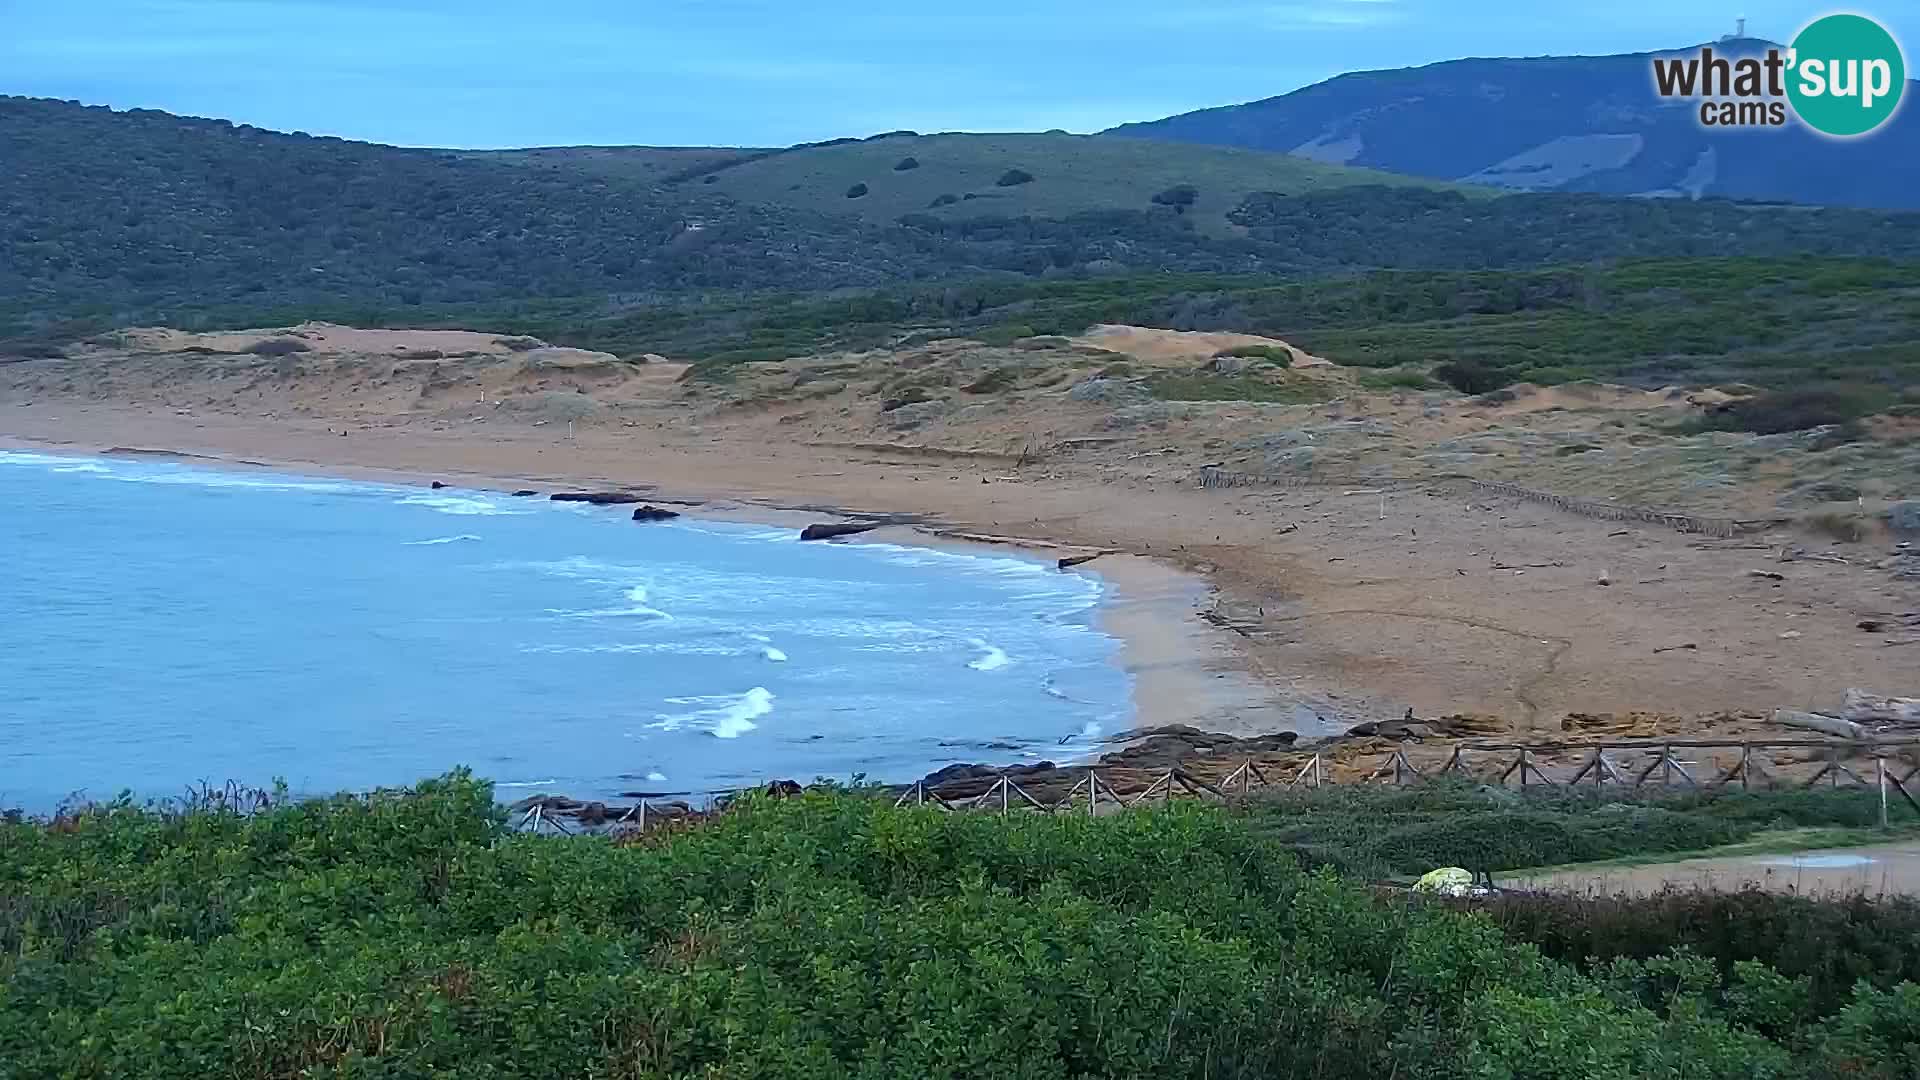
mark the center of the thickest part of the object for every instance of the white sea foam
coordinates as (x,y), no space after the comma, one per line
(724,716)
(994,658)
(525,783)
(21,457)
(667,648)
(657,777)
(767,650)
(637,608)
(462,505)
(191,478)
(442,540)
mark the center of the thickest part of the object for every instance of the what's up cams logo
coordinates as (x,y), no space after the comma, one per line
(1842,76)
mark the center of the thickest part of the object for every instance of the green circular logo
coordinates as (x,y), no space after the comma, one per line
(1846,75)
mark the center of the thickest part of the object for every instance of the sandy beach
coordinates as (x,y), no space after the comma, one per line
(1294,607)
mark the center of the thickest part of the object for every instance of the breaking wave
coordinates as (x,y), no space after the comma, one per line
(724,716)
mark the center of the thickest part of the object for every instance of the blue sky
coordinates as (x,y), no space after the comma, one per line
(491,73)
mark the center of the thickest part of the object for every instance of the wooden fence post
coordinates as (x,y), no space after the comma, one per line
(1746,766)
(1093,793)
(1880,764)
(1666,766)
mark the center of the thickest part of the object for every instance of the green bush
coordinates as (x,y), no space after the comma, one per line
(1005,334)
(280,346)
(993,381)
(1278,354)
(857,191)
(1014,178)
(1397,380)
(1204,387)
(1179,196)
(407,935)
(1471,377)
(1778,411)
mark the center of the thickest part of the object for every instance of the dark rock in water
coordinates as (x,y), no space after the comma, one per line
(597,498)
(594,813)
(828,532)
(654,513)
(1076,560)
(524,492)
(437,485)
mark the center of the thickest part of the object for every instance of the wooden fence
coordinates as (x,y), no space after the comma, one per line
(1518,765)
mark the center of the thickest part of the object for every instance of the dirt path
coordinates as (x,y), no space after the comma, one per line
(1877,870)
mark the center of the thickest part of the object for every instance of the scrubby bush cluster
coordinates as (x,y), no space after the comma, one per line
(405,935)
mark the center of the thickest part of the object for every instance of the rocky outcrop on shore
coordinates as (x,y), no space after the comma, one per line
(596,498)
(830,531)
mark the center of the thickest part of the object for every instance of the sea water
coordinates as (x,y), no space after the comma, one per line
(163,624)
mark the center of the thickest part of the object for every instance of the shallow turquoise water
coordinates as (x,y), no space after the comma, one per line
(162,625)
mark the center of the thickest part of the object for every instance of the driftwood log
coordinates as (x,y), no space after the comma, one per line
(1864,707)
(1826,725)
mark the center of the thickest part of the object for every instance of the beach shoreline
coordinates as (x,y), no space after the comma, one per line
(1179,670)
(1309,607)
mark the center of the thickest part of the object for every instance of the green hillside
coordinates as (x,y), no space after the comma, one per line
(1071,174)
(114,218)
(655,164)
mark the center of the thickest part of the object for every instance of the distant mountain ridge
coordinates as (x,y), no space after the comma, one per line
(1588,124)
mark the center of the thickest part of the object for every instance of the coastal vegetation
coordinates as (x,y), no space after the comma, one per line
(407,934)
(1842,328)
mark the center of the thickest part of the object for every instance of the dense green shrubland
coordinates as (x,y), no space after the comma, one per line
(406,935)
(1847,328)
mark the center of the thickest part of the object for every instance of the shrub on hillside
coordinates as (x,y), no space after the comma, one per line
(1279,354)
(1179,196)
(906,164)
(279,346)
(947,199)
(1014,178)
(1471,376)
(857,191)
(31,349)
(1779,411)
(993,381)
(1004,334)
